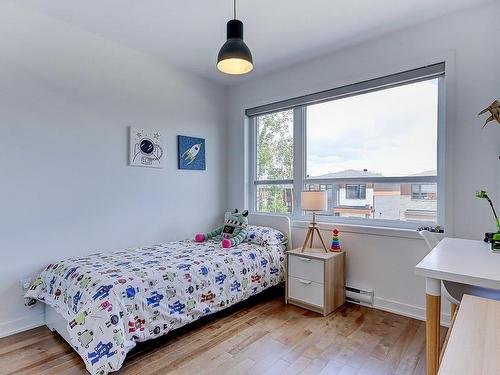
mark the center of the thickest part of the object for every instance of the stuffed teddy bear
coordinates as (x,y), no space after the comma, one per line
(232,233)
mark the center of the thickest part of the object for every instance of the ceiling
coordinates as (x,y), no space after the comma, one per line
(189,33)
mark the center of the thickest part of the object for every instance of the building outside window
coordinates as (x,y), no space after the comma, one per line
(423,192)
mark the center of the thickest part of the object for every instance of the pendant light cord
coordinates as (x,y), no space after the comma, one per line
(234,9)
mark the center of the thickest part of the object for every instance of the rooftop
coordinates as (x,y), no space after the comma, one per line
(349,173)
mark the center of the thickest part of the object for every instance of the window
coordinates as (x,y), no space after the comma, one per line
(355,191)
(372,146)
(423,192)
(274,165)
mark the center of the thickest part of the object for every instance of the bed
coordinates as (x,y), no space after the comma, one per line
(103,304)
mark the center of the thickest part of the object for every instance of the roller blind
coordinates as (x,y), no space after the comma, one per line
(396,79)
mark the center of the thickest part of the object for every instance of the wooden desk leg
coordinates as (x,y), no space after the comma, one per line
(453,309)
(433,320)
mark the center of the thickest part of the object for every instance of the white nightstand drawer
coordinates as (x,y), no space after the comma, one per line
(305,291)
(306,268)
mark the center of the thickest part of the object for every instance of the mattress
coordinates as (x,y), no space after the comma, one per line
(113,300)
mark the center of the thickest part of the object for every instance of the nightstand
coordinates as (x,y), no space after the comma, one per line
(315,280)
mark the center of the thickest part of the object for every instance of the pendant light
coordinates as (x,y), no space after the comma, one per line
(234,56)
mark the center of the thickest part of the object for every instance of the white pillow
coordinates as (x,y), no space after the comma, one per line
(265,236)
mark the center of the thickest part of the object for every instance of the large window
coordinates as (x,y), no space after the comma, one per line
(372,146)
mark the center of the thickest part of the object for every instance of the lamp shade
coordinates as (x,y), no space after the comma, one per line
(234,56)
(313,201)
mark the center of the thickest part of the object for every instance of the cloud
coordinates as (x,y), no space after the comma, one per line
(393,131)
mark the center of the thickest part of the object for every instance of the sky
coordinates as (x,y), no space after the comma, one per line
(392,132)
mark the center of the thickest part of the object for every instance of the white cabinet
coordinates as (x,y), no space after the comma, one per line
(315,280)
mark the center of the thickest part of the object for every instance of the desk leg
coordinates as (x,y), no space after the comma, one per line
(453,310)
(433,317)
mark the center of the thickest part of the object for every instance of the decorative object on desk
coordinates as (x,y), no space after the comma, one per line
(191,153)
(313,201)
(433,229)
(145,148)
(335,247)
(494,109)
(493,238)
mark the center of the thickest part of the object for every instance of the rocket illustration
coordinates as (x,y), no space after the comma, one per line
(190,155)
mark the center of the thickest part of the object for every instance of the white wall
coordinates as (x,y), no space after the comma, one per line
(467,42)
(66,99)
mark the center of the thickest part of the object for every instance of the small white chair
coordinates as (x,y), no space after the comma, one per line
(454,291)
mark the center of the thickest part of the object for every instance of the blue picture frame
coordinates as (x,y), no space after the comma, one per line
(191,153)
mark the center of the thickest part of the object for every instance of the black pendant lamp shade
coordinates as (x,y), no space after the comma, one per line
(234,56)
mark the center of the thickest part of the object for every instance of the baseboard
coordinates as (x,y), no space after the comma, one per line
(404,309)
(22,324)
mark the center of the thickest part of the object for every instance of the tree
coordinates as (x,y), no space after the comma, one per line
(275,160)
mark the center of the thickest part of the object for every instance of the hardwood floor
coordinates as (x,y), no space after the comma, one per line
(260,336)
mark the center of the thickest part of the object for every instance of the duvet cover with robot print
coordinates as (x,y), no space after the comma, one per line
(113,300)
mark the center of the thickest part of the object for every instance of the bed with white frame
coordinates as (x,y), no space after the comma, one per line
(56,322)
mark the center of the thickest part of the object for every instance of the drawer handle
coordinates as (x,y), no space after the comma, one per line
(305,259)
(307,282)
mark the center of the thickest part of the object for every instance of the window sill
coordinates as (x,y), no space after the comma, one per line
(362,229)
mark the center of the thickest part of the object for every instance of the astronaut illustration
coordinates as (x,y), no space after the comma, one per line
(145,151)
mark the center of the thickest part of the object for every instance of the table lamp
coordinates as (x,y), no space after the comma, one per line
(313,201)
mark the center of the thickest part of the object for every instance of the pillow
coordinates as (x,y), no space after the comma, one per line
(265,236)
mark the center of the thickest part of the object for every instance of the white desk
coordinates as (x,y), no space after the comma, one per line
(464,261)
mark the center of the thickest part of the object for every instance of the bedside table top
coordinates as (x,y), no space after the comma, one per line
(317,253)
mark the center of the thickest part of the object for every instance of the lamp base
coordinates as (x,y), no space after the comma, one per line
(313,227)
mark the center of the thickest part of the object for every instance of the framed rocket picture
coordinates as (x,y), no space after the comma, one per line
(146,148)
(191,153)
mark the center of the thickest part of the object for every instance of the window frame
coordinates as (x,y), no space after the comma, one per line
(254,181)
(299,181)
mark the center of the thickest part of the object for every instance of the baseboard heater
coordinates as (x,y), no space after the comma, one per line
(359,296)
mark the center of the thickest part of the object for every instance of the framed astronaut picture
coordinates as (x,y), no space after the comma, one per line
(191,153)
(145,148)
